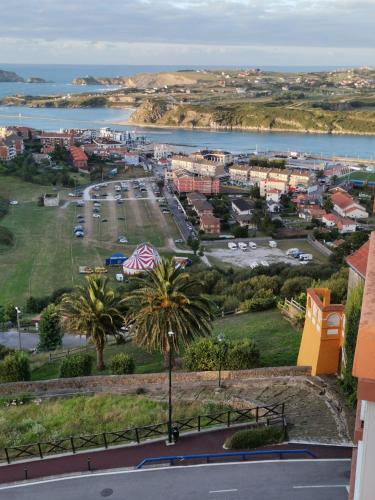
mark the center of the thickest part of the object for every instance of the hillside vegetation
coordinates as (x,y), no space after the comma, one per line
(251,116)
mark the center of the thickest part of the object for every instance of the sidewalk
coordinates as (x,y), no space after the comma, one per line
(205,442)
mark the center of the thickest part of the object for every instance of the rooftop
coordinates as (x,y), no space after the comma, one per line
(358,259)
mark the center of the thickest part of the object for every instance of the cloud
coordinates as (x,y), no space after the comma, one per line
(235,26)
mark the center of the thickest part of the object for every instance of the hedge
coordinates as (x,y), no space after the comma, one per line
(15,367)
(252,438)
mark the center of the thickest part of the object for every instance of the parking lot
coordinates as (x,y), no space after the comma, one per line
(263,254)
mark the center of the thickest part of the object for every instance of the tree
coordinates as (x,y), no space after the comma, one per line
(168,299)
(50,331)
(11,313)
(94,310)
(240,231)
(328,205)
(194,244)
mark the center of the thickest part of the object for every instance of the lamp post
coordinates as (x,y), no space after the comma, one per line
(170,344)
(18,311)
(222,346)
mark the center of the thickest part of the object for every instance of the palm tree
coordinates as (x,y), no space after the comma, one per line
(94,310)
(168,300)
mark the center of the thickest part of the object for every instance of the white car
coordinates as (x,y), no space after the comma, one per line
(242,245)
(272,244)
(13,202)
(232,245)
(290,251)
(96,216)
(122,239)
(252,245)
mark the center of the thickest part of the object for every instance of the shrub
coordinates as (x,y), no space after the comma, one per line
(50,332)
(294,286)
(242,356)
(261,301)
(122,364)
(15,367)
(76,365)
(230,304)
(202,355)
(6,237)
(4,351)
(252,438)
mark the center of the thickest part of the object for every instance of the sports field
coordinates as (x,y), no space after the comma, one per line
(362,176)
(46,255)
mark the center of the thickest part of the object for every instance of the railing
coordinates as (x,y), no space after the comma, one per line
(234,454)
(269,415)
(62,354)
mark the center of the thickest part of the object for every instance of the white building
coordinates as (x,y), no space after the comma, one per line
(131,158)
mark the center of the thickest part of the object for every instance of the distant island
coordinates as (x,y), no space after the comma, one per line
(330,102)
(11,76)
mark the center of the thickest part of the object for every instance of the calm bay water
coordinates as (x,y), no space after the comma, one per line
(236,141)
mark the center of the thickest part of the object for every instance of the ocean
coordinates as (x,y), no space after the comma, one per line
(236,141)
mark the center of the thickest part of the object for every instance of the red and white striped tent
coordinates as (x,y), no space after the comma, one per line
(144,257)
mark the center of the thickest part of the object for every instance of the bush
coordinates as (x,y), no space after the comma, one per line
(230,304)
(76,365)
(122,364)
(242,355)
(294,286)
(4,351)
(15,367)
(202,355)
(6,237)
(261,301)
(252,438)
(50,332)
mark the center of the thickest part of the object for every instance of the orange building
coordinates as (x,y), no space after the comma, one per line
(322,336)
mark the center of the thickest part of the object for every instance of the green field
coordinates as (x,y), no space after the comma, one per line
(46,255)
(277,339)
(362,176)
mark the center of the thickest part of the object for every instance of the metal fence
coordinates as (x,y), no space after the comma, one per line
(269,415)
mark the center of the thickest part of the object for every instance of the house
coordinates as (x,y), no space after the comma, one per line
(273,195)
(194,196)
(210,224)
(202,207)
(344,225)
(79,159)
(241,207)
(11,144)
(299,178)
(220,157)
(346,206)
(186,182)
(258,174)
(357,263)
(245,220)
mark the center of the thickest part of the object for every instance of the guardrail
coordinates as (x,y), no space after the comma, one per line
(269,415)
(234,454)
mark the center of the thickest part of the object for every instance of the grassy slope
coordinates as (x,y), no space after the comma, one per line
(65,417)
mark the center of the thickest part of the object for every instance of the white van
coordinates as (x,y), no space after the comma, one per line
(232,245)
(252,245)
(290,251)
(119,277)
(272,244)
(306,256)
(242,245)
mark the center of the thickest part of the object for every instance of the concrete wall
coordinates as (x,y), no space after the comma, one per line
(123,383)
(319,246)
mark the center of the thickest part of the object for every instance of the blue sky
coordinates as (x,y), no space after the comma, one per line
(240,32)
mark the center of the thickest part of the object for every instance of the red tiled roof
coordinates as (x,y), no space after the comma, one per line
(209,220)
(331,217)
(77,154)
(358,259)
(342,200)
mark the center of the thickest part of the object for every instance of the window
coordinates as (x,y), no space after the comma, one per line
(333,320)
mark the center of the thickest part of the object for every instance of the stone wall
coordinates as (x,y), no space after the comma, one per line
(128,383)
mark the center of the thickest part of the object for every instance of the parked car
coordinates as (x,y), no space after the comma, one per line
(272,244)
(252,245)
(306,257)
(179,240)
(291,251)
(96,216)
(232,245)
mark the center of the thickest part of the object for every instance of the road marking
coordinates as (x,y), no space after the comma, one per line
(223,491)
(321,486)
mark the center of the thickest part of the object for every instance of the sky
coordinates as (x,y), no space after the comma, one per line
(208,32)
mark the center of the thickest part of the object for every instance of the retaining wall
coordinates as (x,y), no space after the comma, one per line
(124,383)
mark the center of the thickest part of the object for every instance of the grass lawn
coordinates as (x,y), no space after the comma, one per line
(64,417)
(46,255)
(276,338)
(362,176)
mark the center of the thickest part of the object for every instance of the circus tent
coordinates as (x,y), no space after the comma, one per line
(144,257)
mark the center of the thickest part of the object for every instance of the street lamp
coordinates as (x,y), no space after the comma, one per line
(222,349)
(18,311)
(170,344)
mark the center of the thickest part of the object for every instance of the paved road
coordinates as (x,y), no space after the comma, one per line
(279,480)
(178,215)
(31,340)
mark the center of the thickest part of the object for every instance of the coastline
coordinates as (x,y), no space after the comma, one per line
(244,129)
